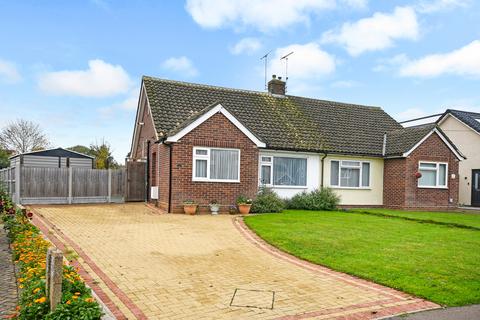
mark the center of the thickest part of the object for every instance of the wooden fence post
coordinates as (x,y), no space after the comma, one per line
(109,199)
(54,277)
(70,184)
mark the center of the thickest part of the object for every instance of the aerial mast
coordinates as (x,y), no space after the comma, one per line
(265,57)
(285,57)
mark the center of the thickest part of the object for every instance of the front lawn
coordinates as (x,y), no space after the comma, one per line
(467,219)
(437,262)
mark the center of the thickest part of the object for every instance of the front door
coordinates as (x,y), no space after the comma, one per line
(476,188)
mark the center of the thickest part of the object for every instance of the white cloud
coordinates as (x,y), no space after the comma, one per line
(9,72)
(101,79)
(430,6)
(391,63)
(463,61)
(376,32)
(411,113)
(264,15)
(131,101)
(181,65)
(246,45)
(308,61)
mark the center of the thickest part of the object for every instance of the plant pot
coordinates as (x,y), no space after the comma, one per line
(244,208)
(214,208)
(190,208)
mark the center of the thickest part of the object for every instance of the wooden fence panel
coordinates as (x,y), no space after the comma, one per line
(118,183)
(44,182)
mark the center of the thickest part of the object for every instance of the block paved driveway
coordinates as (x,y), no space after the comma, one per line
(147,265)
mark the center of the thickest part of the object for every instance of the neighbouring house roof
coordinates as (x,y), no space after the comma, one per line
(471,119)
(401,142)
(281,122)
(58,152)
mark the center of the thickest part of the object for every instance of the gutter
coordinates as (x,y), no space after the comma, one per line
(322,179)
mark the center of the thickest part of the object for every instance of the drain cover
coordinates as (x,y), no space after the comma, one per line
(261,299)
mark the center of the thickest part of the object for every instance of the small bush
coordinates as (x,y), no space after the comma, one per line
(267,201)
(319,199)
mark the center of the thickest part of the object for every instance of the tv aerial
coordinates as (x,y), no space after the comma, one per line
(265,57)
(285,57)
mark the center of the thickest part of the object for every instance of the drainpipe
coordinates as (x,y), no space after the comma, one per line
(147,173)
(322,170)
(169,178)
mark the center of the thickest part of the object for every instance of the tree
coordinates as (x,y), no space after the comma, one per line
(4,161)
(103,156)
(23,136)
(82,149)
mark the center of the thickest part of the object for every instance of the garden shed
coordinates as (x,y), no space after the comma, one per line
(53,158)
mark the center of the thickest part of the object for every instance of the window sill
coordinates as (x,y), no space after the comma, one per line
(282,187)
(210,180)
(351,188)
(427,187)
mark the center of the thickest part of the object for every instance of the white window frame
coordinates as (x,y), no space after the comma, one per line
(207,157)
(437,169)
(272,157)
(340,166)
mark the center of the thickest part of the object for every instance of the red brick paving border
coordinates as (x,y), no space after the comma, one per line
(391,295)
(108,282)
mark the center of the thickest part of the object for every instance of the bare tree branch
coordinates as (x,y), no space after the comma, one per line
(22,136)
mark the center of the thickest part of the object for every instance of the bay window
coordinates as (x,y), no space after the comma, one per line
(283,171)
(216,164)
(434,174)
(349,174)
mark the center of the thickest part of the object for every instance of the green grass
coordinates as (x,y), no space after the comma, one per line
(440,263)
(466,219)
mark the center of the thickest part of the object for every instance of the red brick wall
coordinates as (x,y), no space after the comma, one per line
(217,131)
(163,154)
(402,191)
(147,132)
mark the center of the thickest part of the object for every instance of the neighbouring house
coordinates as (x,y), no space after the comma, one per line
(208,143)
(463,128)
(53,158)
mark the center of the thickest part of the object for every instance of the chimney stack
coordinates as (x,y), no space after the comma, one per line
(276,86)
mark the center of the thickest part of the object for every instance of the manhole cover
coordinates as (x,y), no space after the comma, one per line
(261,299)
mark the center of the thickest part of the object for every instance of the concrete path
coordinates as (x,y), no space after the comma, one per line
(8,284)
(457,313)
(146,265)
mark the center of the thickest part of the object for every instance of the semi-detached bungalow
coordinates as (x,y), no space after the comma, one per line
(209,143)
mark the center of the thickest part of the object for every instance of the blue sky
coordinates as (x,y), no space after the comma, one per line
(75,66)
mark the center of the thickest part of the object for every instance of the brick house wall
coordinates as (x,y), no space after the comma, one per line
(147,132)
(400,185)
(217,131)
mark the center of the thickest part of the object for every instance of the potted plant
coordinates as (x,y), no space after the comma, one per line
(189,207)
(244,204)
(214,207)
(232,209)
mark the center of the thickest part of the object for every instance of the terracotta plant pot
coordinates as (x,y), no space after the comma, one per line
(190,209)
(244,208)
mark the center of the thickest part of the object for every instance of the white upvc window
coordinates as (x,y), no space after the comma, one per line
(216,164)
(283,171)
(434,174)
(350,174)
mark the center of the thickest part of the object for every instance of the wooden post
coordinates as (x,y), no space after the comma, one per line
(54,276)
(109,186)
(70,184)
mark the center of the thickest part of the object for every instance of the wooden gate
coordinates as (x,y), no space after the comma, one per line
(136,183)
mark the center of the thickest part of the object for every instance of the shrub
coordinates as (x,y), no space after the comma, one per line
(267,201)
(319,199)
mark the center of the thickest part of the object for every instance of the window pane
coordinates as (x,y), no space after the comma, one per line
(351,163)
(428,165)
(365,174)
(349,177)
(265,177)
(266,159)
(224,164)
(201,152)
(334,173)
(200,168)
(428,179)
(442,175)
(289,171)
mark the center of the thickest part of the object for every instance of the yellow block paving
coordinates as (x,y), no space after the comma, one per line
(188,267)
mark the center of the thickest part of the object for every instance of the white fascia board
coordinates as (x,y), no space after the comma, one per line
(217,109)
(455,152)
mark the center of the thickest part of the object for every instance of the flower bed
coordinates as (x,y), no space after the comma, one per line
(29,252)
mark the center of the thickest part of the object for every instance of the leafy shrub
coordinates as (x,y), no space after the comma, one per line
(243,200)
(267,201)
(319,199)
(29,252)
